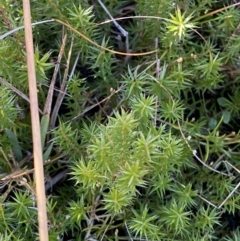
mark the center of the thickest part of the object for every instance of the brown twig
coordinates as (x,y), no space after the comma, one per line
(63,90)
(48,103)
(37,147)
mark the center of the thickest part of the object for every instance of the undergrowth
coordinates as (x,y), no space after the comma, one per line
(138,146)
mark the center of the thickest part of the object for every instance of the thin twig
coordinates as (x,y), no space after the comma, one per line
(204,199)
(81,113)
(63,90)
(128,231)
(90,221)
(231,193)
(48,103)
(102,47)
(80,34)
(74,66)
(22,27)
(19,173)
(37,148)
(122,30)
(55,179)
(14,89)
(202,162)
(185,139)
(157,76)
(9,25)
(238,171)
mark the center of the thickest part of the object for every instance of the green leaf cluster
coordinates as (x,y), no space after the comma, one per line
(150,144)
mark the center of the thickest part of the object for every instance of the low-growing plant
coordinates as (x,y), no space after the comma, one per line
(142,142)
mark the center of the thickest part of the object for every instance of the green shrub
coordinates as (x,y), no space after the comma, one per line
(150,142)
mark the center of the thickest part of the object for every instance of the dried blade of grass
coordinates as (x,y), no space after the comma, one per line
(157,76)
(62,92)
(37,147)
(22,27)
(118,26)
(21,94)
(48,103)
(234,190)
(99,46)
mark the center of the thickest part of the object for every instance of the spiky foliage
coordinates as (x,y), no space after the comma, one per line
(150,143)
